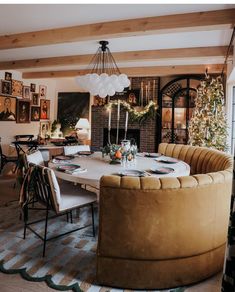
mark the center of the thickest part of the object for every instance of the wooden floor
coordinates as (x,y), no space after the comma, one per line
(14,283)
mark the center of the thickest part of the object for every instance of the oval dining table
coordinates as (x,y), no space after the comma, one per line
(97,166)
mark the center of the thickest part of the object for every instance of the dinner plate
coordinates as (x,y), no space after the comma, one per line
(153,155)
(162,170)
(64,157)
(68,167)
(132,172)
(85,152)
(167,160)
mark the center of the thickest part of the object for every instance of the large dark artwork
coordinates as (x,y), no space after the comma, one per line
(71,107)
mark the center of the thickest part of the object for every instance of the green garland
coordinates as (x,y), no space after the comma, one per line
(137,115)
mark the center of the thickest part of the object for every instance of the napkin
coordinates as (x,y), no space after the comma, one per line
(76,171)
(57,161)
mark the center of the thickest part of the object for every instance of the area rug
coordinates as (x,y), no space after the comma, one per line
(70,261)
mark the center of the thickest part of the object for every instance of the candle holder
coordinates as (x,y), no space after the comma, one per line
(118,119)
(125,134)
(109,140)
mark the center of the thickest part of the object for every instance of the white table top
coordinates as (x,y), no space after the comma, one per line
(97,167)
(48,147)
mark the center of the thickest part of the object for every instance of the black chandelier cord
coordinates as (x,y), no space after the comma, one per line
(103,61)
(114,62)
(228,51)
(93,61)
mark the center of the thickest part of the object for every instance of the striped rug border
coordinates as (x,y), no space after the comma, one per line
(47,279)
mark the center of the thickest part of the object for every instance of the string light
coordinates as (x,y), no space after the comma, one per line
(135,114)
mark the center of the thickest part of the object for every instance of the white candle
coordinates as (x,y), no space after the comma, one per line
(142,93)
(149,84)
(146,92)
(110,109)
(153,89)
(118,111)
(126,120)
(118,118)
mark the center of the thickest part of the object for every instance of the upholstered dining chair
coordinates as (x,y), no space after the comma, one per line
(35,158)
(59,200)
(68,150)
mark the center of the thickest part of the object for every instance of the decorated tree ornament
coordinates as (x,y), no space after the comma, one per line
(208,125)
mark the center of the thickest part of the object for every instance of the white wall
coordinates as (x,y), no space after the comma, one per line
(9,129)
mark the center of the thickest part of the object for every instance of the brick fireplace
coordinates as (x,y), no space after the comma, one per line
(146,133)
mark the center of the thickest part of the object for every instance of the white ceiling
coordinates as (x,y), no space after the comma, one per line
(16,18)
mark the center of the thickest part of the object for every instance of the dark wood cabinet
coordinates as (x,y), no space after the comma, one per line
(176,103)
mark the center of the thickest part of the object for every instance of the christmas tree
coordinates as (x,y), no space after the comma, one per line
(208,126)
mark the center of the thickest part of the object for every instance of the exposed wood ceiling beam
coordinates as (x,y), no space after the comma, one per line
(133,71)
(119,57)
(114,29)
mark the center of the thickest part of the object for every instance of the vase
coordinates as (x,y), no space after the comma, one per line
(126,145)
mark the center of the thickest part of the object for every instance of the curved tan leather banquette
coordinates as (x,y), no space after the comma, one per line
(167,232)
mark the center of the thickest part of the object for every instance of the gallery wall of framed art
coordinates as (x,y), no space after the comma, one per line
(9,127)
(22,103)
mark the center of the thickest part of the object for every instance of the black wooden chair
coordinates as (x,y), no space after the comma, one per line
(25,147)
(27,137)
(4,159)
(59,200)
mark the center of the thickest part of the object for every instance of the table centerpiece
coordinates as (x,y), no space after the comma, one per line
(123,153)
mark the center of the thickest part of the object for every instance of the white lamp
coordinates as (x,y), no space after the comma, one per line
(83,127)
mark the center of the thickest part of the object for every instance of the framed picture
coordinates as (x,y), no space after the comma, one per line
(32,87)
(35,98)
(71,107)
(44,109)
(8,76)
(17,88)
(42,91)
(35,113)
(133,97)
(44,129)
(26,92)
(6,87)
(23,111)
(7,108)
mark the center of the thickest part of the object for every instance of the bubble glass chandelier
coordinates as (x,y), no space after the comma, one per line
(105,77)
